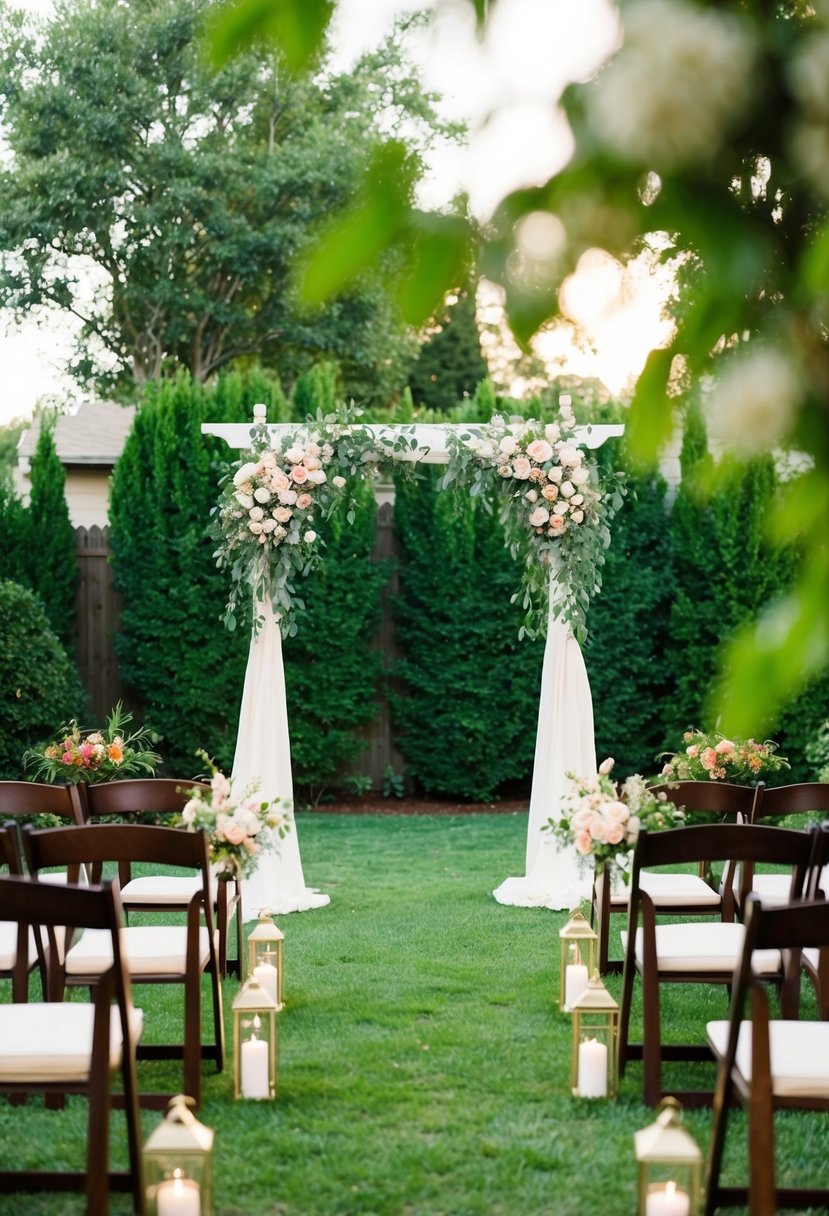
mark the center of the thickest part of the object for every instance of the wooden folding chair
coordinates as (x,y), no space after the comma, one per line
(57,1048)
(768,1064)
(18,953)
(682,894)
(153,954)
(809,800)
(133,800)
(692,951)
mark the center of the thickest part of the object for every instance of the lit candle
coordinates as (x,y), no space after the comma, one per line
(575,982)
(178,1196)
(592,1069)
(266,974)
(667,1202)
(255,1076)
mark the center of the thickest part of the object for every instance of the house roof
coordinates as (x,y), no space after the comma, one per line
(94,435)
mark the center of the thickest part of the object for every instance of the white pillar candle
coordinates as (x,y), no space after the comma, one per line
(255,1079)
(265,973)
(592,1069)
(178,1196)
(667,1202)
(575,982)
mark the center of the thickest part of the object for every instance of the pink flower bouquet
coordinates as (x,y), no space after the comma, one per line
(715,757)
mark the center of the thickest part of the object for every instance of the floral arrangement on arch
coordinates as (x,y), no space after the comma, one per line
(239,826)
(603,823)
(95,755)
(710,756)
(271,504)
(555,508)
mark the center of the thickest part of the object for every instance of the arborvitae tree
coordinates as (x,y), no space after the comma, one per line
(628,624)
(52,565)
(313,391)
(724,568)
(39,687)
(15,536)
(467,704)
(450,363)
(330,671)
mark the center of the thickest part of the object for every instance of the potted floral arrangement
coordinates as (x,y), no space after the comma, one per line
(602,822)
(715,757)
(114,753)
(239,826)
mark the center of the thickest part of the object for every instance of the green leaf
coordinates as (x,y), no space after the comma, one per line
(439,260)
(356,238)
(297,27)
(651,416)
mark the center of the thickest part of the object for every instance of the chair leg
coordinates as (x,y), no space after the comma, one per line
(601,901)
(97,1155)
(651,1037)
(761,1188)
(192,1038)
(716,1146)
(218,1021)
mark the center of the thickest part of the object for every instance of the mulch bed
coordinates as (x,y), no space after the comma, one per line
(374,804)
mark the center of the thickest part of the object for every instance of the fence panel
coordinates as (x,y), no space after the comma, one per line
(97,614)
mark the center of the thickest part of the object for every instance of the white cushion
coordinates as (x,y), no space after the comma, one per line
(701,946)
(8,945)
(799,1053)
(811,955)
(53,1041)
(672,890)
(159,888)
(148,949)
(773,889)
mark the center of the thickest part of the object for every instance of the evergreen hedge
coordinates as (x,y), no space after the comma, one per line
(52,561)
(466,705)
(39,686)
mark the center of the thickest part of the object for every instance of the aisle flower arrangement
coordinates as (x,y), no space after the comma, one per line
(239,826)
(114,753)
(602,822)
(271,503)
(710,756)
(555,508)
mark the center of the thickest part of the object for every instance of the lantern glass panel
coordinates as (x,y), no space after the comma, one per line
(255,1043)
(178,1165)
(578,958)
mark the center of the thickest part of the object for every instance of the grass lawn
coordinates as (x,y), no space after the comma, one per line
(424,1065)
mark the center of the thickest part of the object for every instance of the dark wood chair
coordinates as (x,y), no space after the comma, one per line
(153,954)
(690,950)
(681,894)
(808,800)
(768,1064)
(18,952)
(160,798)
(56,1048)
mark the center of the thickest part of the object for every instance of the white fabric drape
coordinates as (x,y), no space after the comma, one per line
(564,744)
(263,751)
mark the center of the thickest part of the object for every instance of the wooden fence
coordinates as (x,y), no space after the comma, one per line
(97,613)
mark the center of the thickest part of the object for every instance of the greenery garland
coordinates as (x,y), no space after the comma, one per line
(554,505)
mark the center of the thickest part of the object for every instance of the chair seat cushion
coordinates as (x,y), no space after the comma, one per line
(773,889)
(8,945)
(53,1041)
(671,890)
(148,950)
(160,888)
(799,1055)
(703,946)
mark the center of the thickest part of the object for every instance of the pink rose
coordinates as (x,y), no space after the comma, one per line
(692,751)
(521,468)
(709,758)
(723,747)
(279,480)
(539,450)
(581,819)
(287,497)
(583,843)
(304,501)
(615,834)
(283,514)
(598,829)
(299,474)
(228,829)
(616,812)
(556,521)
(539,517)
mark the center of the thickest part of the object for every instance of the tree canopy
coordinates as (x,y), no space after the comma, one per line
(190,193)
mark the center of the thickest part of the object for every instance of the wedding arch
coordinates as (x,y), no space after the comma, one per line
(555,494)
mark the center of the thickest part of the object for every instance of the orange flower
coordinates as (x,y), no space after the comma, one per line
(115,753)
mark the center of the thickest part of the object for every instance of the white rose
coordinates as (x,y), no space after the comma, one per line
(295,455)
(539,517)
(287,497)
(310,536)
(580,476)
(576,500)
(257,513)
(508,446)
(555,474)
(268,525)
(244,500)
(552,431)
(577,516)
(245,473)
(256,527)
(567,489)
(261,494)
(569,455)
(338,481)
(531,495)
(317,476)
(188,815)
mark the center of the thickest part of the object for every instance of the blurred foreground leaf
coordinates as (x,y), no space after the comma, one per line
(439,258)
(297,27)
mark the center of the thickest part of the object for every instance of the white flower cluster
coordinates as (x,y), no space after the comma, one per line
(681,80)
(752,406)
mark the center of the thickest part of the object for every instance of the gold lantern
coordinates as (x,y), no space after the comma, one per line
(594,1069)
(178,1164)
(668,1164)
(578,958)
(255,1042)
(265,955)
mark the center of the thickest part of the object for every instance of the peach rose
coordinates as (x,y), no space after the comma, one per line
(521,468)
(299,474)
(583,843)
(304,501)
(539,517)
(615,834)
(550,493)
(539,451)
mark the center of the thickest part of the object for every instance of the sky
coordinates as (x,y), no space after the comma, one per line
(506,90)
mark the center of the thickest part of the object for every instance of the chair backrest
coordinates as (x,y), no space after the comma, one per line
(29,798)
(136,797)
(804,798)
(9,849)
(721,798)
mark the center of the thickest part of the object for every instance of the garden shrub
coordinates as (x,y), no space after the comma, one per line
(15,537)
(52,562)
(39,687)
(466,697)
(628,623)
